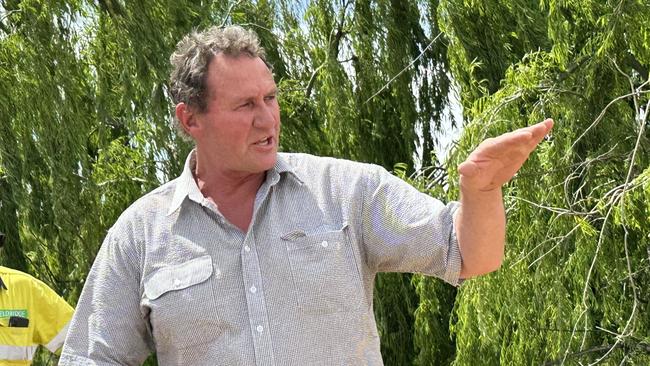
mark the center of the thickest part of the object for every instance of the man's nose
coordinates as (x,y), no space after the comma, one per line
(265,116)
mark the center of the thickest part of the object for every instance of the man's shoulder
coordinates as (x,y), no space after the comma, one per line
(309,164)
(151,205)
(157,198)
(162,192)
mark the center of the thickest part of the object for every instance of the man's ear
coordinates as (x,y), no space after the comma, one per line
(187,118)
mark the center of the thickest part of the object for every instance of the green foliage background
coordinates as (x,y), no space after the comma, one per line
(85,130)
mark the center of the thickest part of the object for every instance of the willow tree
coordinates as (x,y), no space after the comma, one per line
(85,114)
(574,285)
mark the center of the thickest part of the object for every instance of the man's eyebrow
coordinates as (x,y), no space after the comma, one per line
(246,98)
(240,99)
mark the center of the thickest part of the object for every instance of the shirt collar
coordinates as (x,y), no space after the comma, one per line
(283,166)
(186,185)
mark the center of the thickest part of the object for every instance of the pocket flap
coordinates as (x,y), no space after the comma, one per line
(299,239)
(178,277)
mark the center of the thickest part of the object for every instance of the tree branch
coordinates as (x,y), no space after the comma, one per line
(637,66)
(227,16)
(578,354)
(405,68)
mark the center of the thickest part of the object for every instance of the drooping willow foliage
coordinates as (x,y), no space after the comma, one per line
(85,113)
(85,130)
(574,286)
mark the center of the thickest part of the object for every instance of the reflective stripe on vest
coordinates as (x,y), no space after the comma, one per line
(57,341)
(17,353)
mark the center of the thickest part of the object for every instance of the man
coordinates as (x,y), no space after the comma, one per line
(254,257)
(31,314)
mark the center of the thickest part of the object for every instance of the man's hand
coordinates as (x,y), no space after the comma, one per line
(481,222)
(496,160)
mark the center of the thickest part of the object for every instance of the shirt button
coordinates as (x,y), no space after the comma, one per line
(324,244)
(253,289)
(260,329)
(247,248)
(177,282)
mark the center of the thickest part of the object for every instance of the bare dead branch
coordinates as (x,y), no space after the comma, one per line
(602,113)
(405,68)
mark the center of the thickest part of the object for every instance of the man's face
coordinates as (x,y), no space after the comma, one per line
(240,129)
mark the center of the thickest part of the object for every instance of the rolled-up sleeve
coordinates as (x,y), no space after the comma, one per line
(405,230)
(108,327)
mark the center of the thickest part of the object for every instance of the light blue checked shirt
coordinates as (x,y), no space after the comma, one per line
(175,277)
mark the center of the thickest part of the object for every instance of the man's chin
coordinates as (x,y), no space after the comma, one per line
(266,163)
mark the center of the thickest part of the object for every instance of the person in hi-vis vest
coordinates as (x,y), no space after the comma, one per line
(31,314)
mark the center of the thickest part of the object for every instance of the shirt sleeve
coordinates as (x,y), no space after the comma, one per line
(405,230)
(108,327)
(51,316)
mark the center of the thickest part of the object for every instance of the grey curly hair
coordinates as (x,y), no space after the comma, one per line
(192,57)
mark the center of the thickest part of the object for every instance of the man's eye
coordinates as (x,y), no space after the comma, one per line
(269,98)
(245,105)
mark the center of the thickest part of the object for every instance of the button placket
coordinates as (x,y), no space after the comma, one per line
(252,276)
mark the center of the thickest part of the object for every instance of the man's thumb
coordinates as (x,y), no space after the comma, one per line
(468,169)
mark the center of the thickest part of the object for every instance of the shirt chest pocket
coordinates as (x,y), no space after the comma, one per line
(324,271)
(182,304)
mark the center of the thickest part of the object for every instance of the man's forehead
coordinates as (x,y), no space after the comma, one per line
(234,65)
(240,75)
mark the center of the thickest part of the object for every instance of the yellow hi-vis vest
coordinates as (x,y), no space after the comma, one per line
(48,316)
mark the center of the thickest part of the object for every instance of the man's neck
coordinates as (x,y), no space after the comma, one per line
(233,192)
(223,188)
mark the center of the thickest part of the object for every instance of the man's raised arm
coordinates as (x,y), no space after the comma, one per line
(480,222)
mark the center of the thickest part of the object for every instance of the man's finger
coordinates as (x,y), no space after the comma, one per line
(527,138)
(541,129)
(503,145)
(468,168)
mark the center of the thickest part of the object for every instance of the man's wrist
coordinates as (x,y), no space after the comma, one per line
(471,195)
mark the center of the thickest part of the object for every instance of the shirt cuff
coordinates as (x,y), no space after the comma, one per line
(454,259)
